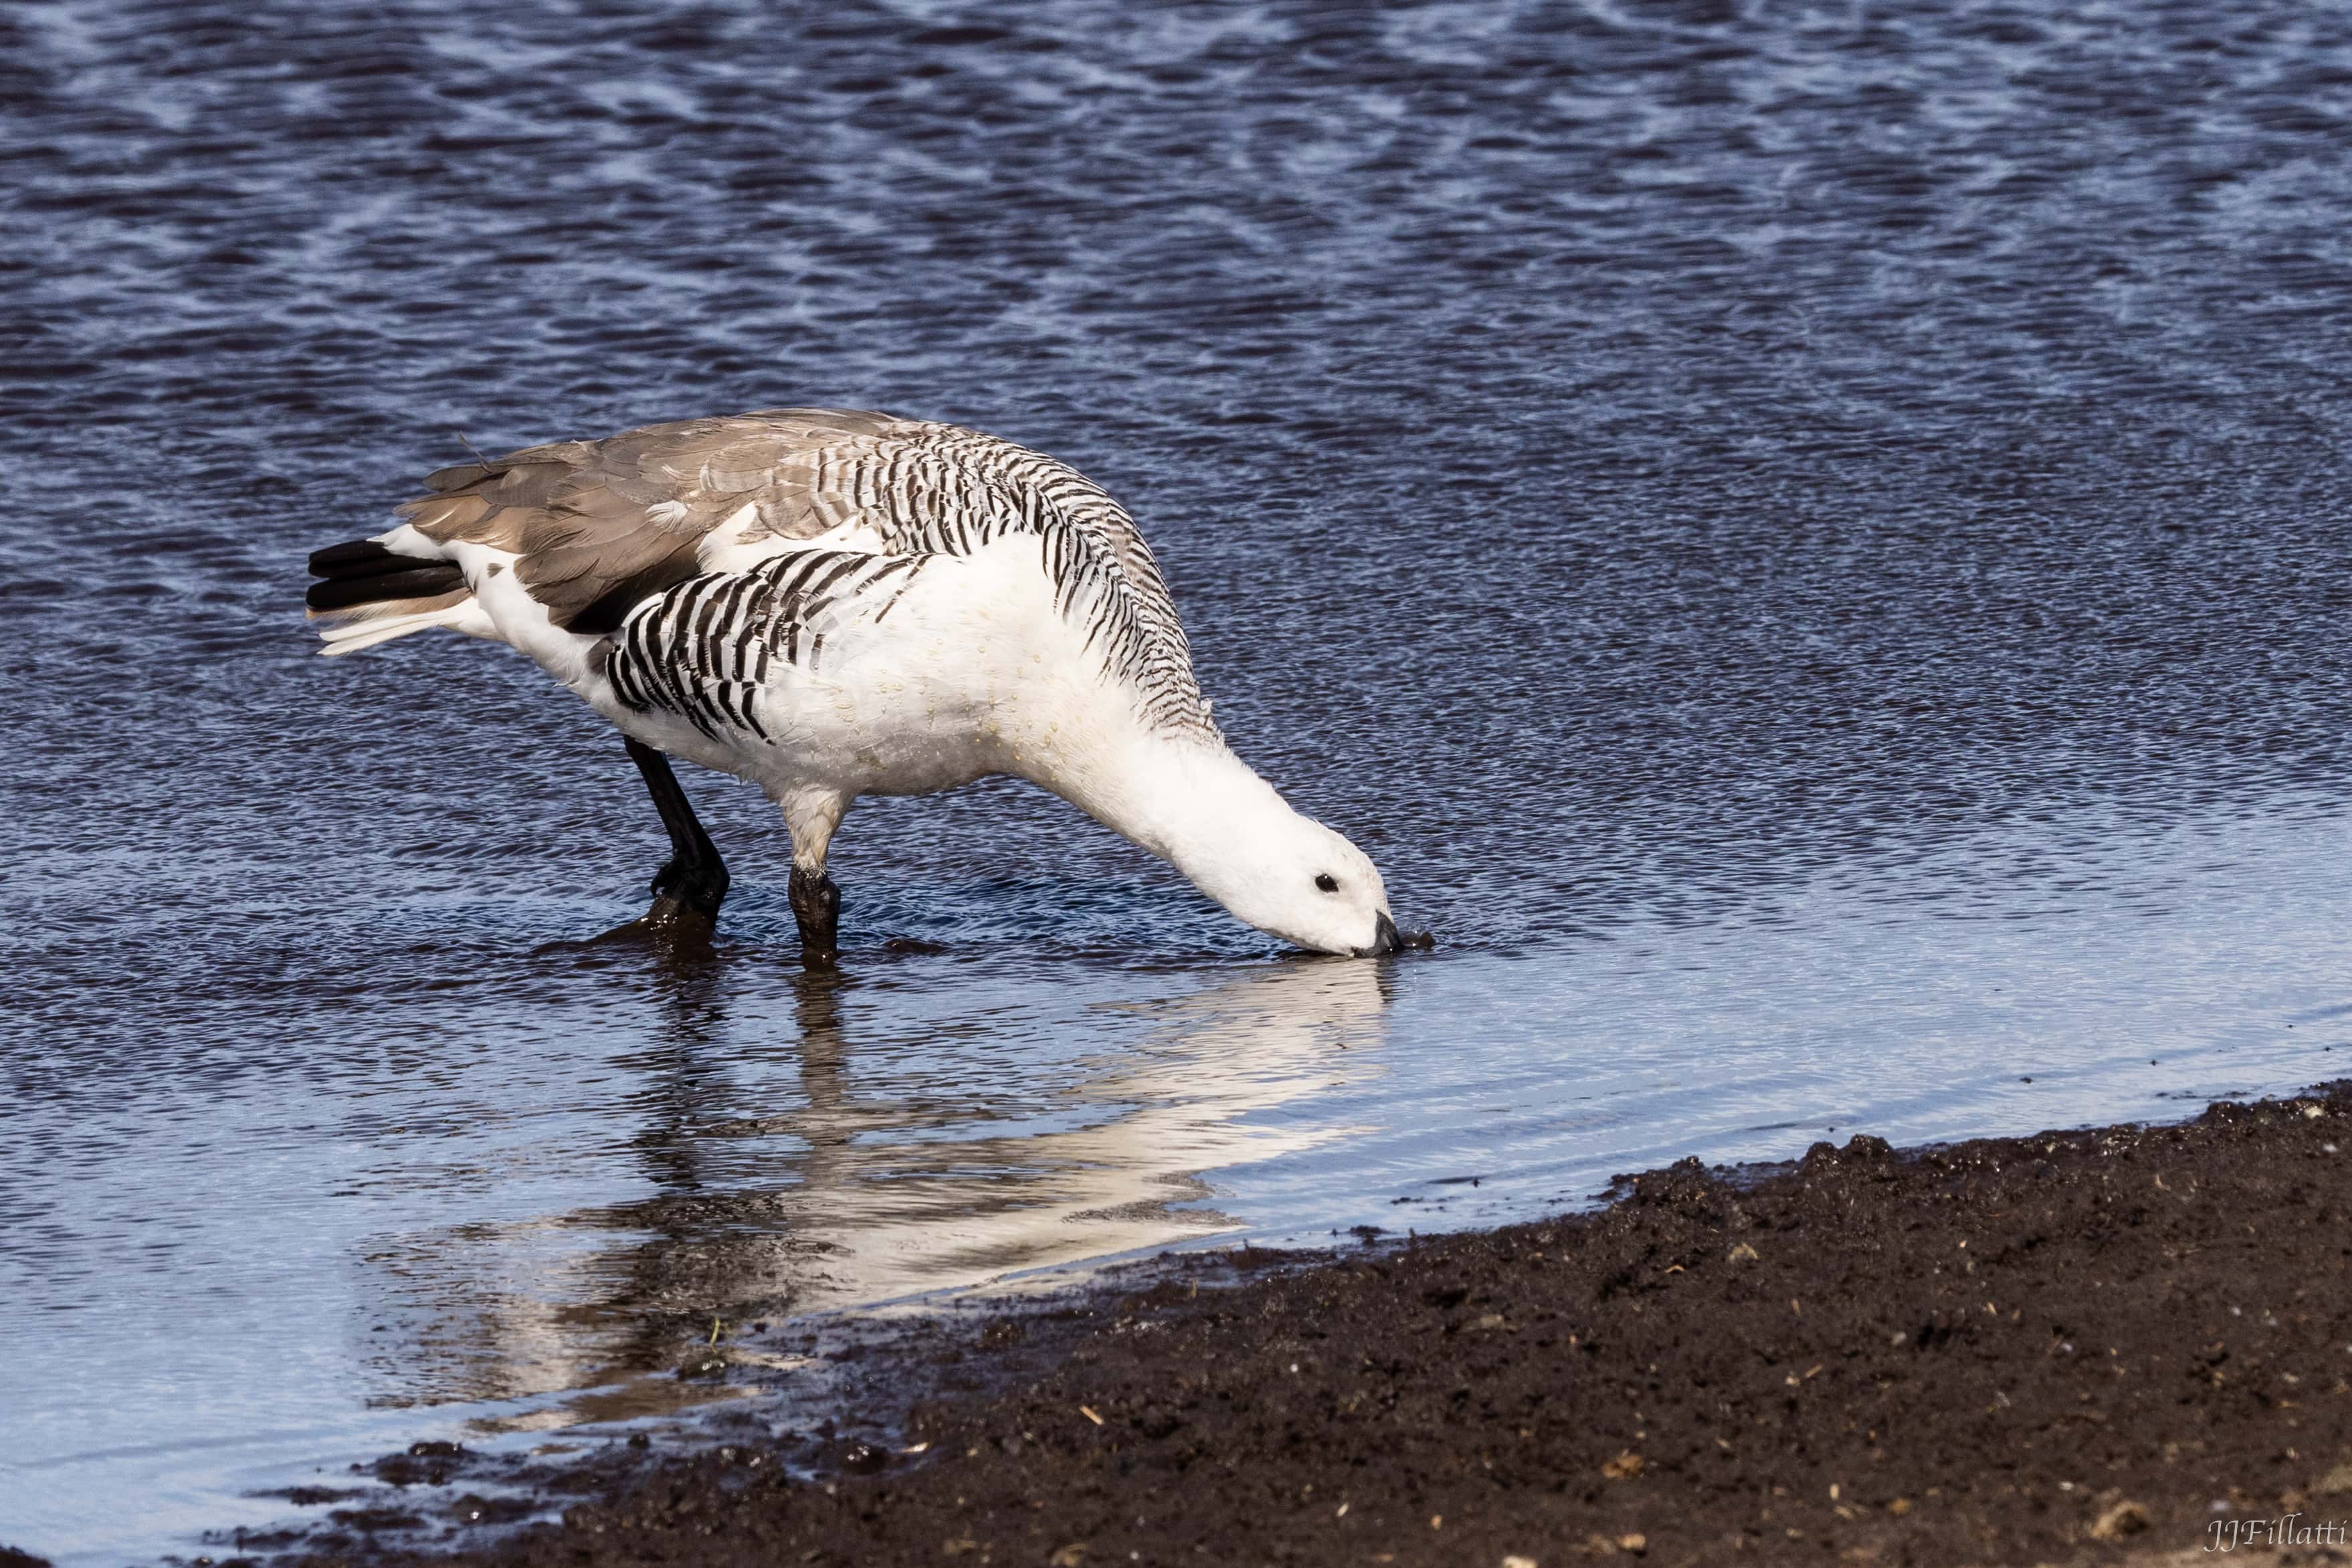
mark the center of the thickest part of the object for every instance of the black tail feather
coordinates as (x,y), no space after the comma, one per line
(365,572)
(360,558)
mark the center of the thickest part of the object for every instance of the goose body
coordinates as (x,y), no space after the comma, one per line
(833,604)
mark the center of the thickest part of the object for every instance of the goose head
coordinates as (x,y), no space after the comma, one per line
(1285,873)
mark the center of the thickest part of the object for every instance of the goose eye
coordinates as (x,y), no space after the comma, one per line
(1326,881)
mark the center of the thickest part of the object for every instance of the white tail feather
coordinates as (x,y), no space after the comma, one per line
(348,633)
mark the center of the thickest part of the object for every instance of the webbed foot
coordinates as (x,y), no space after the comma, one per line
(697,886)
(692,883)
(816,906)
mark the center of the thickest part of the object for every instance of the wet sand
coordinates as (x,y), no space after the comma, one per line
(2127,1344)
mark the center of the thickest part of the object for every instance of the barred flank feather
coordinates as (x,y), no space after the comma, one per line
(703,649)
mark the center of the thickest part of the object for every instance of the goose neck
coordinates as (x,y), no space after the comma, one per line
(1178,798)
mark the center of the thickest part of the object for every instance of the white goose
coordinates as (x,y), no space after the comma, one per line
(833,604)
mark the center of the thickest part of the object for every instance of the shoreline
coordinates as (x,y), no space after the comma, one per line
(2128,1343)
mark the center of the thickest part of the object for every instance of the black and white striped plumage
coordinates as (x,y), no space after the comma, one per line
(705,650)
(835,603)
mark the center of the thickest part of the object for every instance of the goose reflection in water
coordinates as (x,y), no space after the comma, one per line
(899,1160)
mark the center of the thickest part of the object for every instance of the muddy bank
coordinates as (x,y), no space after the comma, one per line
(2116,1345)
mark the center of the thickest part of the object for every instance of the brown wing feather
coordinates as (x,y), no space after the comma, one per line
(599,525)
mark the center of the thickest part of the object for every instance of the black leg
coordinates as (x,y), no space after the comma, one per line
(816,905)
(689,888)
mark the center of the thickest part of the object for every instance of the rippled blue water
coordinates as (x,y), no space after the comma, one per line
(1808,541)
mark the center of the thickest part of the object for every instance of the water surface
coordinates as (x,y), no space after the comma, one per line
(1806,540)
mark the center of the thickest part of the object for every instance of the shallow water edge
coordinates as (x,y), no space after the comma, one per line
(2013,1346)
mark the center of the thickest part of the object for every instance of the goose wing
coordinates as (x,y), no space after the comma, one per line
(599,527)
